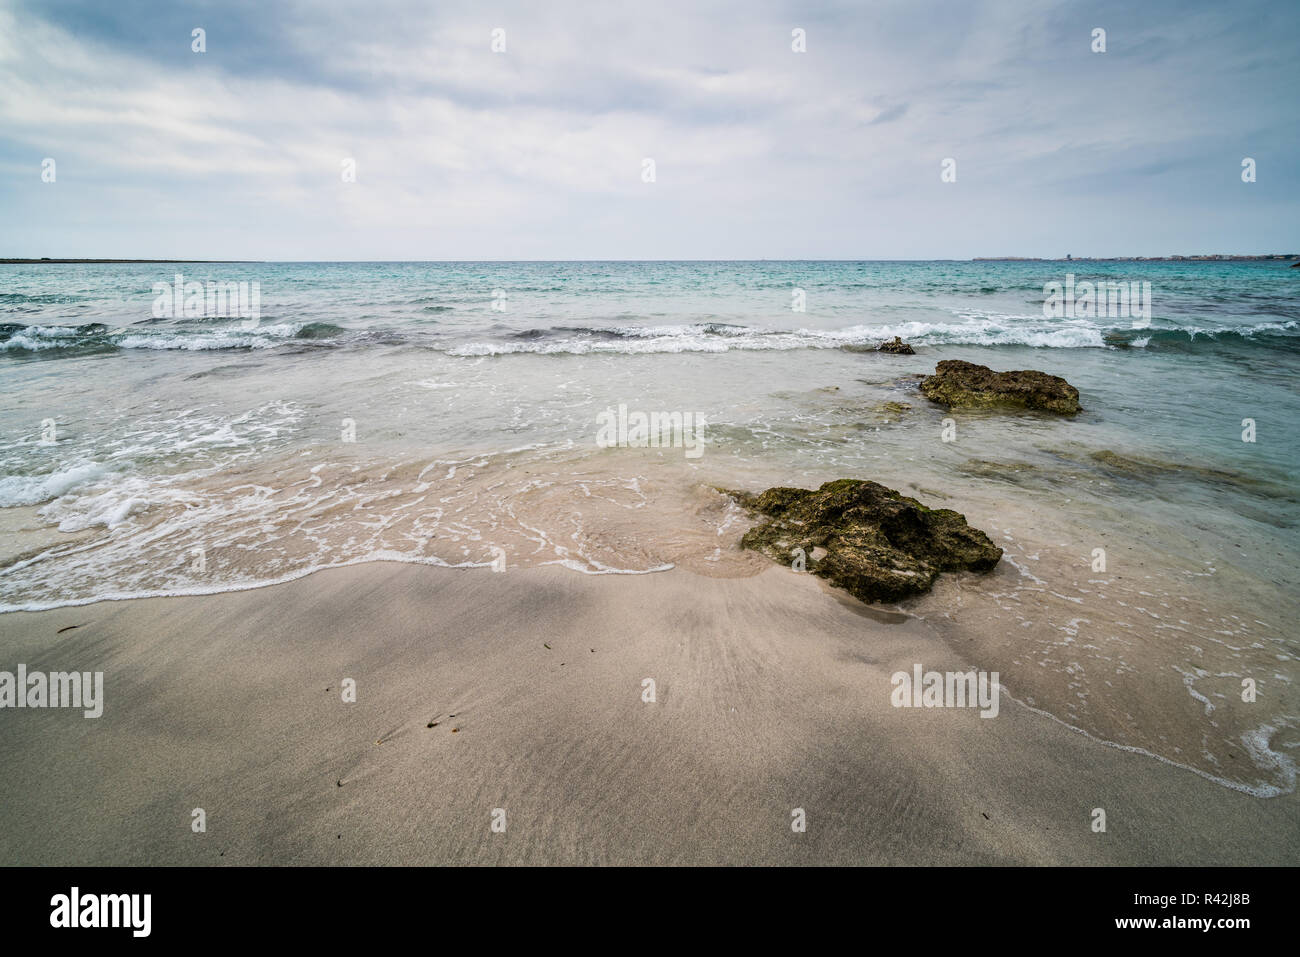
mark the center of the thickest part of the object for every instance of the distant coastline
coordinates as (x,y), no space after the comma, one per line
(1206,257)
(37,262)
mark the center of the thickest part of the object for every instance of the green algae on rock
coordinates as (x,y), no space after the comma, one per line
(873,542)
(894,408)
(958,383)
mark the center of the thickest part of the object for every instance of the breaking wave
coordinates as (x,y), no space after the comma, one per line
(966,328)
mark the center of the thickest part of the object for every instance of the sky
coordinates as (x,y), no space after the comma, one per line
(539,151)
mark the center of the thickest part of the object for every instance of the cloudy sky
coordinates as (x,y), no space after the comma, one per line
(537,152)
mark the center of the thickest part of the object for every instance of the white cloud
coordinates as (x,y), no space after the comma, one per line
(537,152)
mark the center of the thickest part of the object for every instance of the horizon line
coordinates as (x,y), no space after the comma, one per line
(1172,257)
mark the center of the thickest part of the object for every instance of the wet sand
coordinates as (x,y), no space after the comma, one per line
(771,696)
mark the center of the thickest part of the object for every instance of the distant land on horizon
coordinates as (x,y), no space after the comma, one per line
(47,259)
(1202,257)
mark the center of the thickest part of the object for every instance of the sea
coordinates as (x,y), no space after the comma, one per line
(466,415)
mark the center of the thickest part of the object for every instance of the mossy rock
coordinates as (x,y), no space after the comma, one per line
(966,385)
(873,542)
(896,347)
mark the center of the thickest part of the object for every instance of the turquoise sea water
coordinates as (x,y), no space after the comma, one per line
(448,413)
(1227,333)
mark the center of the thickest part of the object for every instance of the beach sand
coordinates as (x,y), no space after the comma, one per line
(773,693)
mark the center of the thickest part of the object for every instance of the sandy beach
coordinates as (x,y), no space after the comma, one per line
(772,693)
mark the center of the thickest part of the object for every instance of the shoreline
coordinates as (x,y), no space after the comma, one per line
(769,697)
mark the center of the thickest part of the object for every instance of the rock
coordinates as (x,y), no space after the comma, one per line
(898,347)
(873,542)
(957,383)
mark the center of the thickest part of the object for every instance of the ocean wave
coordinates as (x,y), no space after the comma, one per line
(965,327)
(98,337)
(40,299)
(725,337)
(1275,333)
(36,338)
(968,327)
(258,337)
(34,489)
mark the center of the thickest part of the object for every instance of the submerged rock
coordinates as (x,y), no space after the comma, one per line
(957,383)
(873,542)
(888,411)
(898,347)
